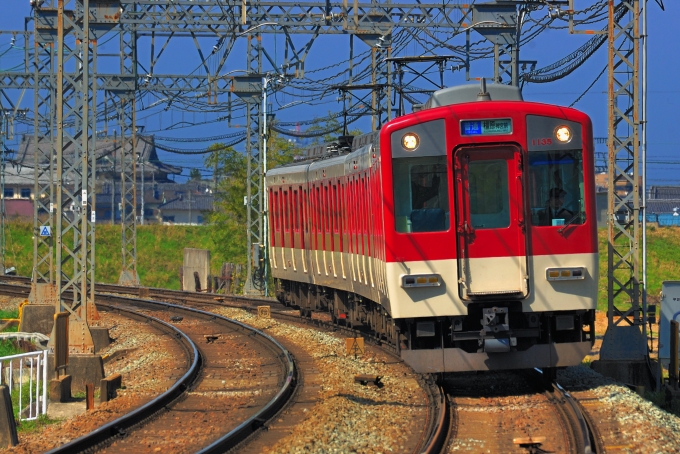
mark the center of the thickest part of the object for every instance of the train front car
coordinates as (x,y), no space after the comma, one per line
(490,232)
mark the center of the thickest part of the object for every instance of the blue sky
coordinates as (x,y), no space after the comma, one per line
(550,46)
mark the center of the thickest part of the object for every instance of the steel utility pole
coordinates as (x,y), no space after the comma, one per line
(625,339)
(2,194)
(74,235)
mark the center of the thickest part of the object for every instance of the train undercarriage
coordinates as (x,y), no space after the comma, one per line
(493,334)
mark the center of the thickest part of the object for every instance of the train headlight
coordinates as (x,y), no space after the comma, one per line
(410,141)
(565,274)
(421,280)
(563,134)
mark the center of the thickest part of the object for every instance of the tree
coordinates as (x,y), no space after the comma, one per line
(228,220)
(195,175)
(332,128)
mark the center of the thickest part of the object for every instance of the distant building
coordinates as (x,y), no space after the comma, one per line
(163,202)
(662,202)
(664,192)
(108,153)
(19,191)
(162,199)
(186,209)
(663,206)
(623,186)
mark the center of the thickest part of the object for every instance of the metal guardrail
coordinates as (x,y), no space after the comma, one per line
(28,373)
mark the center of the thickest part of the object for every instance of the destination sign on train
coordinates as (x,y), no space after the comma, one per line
(486,127)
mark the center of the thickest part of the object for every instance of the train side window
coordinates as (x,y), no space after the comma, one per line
(340,201)
(303,217)
(317,211)
(279,214)
(305,211)
(421,194)
(296,216)
(326,209)
(286,215)
(291,219)
(556,188)
(272,217)
(335,209)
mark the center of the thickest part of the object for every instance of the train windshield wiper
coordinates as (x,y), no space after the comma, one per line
(569,222)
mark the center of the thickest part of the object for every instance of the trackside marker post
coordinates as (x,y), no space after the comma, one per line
(264,312)
(354,346)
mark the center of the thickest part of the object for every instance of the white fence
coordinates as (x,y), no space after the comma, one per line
(26,374)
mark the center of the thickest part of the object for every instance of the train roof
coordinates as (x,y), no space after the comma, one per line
(470,93)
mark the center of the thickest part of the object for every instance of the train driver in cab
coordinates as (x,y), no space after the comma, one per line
(555,209)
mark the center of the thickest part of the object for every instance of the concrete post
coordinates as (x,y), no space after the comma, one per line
(673,366)
(8,426)
(195,261)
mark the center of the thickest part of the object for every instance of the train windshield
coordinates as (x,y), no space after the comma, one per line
(421,194)
(556,184)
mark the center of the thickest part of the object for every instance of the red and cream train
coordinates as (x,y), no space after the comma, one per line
(464,233)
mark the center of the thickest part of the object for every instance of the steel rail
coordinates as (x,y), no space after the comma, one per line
(438,429)
(227,441)
(257,420)
(121,425)
(591,441)
(437,433)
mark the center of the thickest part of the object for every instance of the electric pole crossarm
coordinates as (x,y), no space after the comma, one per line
(114,82)
(301,17)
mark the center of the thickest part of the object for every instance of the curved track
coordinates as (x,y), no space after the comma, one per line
(436,428)
(238,379)
(517,412)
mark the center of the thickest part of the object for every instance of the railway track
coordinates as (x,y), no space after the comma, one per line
(238,379)
(430,439)
(518,412)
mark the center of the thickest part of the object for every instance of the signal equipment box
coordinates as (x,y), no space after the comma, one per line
(670,310)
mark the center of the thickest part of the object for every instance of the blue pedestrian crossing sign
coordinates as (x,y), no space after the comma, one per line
(45,230)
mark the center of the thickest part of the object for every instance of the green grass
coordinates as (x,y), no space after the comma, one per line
(35,425)
(9,348)
(28,392)
(159,254)
(10,313)
(83,394)
(159,251)
(10,329)
(663,254)
(28,426)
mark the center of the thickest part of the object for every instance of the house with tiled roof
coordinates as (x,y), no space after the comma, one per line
(181,203)
(107,149)
(162,202)
(19,191)
(187,208)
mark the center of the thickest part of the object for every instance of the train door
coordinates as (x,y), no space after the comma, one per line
(490,221)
